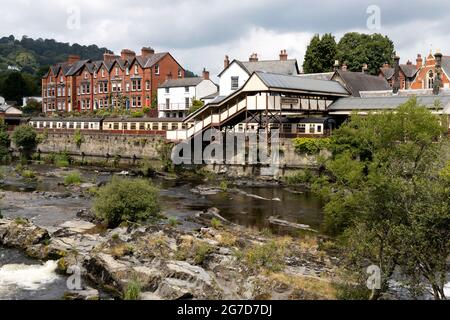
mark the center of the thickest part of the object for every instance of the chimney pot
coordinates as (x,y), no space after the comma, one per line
(253,57)
(73,58)
(419,61)
(108,57)
(205,74)
(344,67)
(283,55)
(147,51)
(226,62)
(127,54)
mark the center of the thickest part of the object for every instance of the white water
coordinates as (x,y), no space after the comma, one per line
(27,277)
(447,290)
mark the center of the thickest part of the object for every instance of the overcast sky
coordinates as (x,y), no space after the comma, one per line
(200,32)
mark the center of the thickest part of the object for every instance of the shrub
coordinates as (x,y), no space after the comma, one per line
(126,200)
(137,114)
(173,222)
(28,174)
(299,177)
(78,138)
(25,137)
(62,160)
(215,223)
(5,143)
(72,178)
(202,249)
(132,290)
(311,145)
(269,255)
(223,185)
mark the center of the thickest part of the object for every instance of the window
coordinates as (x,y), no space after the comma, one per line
(136,69)
(167,103)
(180,74)
(157,69)
(61,79)
(95,74)
(125,126)
(127,71)
(133,126)
(117,71)
(103,73)
(167,90)
(430,79)
(234,83)
(147,85)
(312,128)
(319,129)
(142,126)
(186,89)
(116,126)
(127,86)
(85,75)
(186,103)
(301,128)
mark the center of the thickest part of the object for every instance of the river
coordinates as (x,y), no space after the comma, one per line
(48,203)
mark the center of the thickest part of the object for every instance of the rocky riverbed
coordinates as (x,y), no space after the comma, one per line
(224,262)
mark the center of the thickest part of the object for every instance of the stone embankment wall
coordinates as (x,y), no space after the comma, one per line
(130,149)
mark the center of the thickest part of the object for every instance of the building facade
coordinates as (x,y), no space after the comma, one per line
(175,96)
(407,73)
(427,72)
(236,73)
(127,81)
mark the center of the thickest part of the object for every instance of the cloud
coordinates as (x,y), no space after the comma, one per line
(199,33)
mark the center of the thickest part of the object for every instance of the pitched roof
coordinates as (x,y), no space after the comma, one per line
(280,81)
(154,58)
(358,81)
(317,76)
(383,103)
(409,70)
(446,64)
(184,82)
(288,67)
(76,67)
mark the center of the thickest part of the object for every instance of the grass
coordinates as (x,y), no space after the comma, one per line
(132,290)
(215,223)
(226,239)
(322,288)
(20,221)
(173,222)
(269,255)
(202,249)
(121,250)
(28,174)
(197,251)
(73,178)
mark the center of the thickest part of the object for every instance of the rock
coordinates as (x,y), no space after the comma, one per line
(87,215)
(78,226)
(185,271)
(87,185)
(85,294)
(149,278)
(206,190)
(176,289)
(150,296)
(21,233)
(292,225)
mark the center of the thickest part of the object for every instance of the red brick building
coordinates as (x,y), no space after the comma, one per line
(407,73)
(426,75)
(127,81)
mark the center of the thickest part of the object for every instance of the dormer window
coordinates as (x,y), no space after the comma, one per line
(157,69)
(136,69)
(61,79)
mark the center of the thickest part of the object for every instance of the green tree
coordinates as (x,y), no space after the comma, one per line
(25,138)
(14,87)
(386,197)
(33,107)
(126,200)
(355,49)
(320,54)
(5,141)
(196,104)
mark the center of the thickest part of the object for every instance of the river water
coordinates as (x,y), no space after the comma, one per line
(24,278)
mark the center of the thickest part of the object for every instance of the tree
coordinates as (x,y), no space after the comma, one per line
(387,198)
(25,138)
(15,87)
(320,54)
(33,107)
(355,49)
(5,141)
(196,104)
(126,200)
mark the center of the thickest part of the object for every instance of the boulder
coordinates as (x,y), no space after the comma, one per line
(85,294)
(77,226)
(21,233)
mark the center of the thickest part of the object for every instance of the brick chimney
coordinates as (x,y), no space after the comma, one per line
(147,51)
(127,54)
(253,57)
(108,57)
(396,85)
(437,85)
(386,65)
(336,65)
(409,63)
(419,61)
(205,74)
(365,68)
(73,58)
(226,62)
(283,55)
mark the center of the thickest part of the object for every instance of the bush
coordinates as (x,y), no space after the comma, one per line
(137,114)
(269,255)
(25,137)
(311,145)
(78,138)
(72,178)
(5,143)
(215,223)
(28,174)
(299,177)
(62,160)
(124,200)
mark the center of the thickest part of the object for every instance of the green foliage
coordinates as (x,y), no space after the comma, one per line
(269,256)
(5,143)
(146,110)
(42,137)
(173,222)
(223,185)
(196,104)
(201,251)
(215,223)
(62,160)
(320,54)
(132,290)
(388,198)
(355,49)
(28,174)
(32,108)
(137,114)
(25,137)
(311,145)
(299,177)
(127,200)
(73,178)
(78,138)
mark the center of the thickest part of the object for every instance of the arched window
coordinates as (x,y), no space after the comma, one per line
(430,79)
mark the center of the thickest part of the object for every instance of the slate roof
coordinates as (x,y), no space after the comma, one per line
(409,70)
(358,81)
(280,81)
(386,103)
(289,67)
(184,82)
(446,64)
(318,76)
(211,96)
